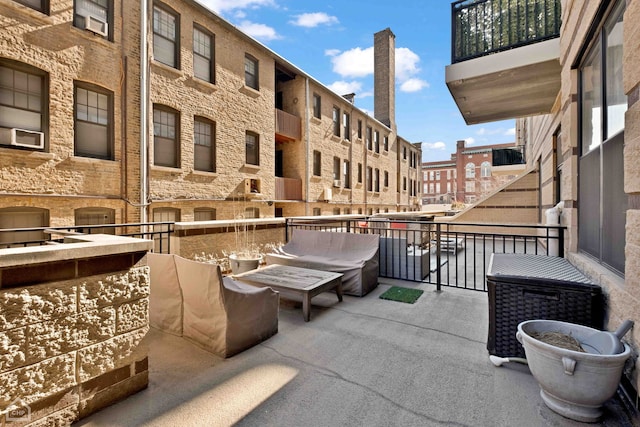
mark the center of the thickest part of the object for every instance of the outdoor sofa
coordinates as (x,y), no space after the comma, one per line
(191,299)
(352,254)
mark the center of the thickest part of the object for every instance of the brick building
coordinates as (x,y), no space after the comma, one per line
(472,173)
(228,127)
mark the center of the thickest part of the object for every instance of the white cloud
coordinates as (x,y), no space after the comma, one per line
(434,146)
(220,6)
(413,85)
(311,20)
(481,131)
(342,87)
(470,140)
(510,132)
(358,62)
(355,62)
(259,31)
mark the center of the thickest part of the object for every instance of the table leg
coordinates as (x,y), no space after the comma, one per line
(306,307)
(339,290)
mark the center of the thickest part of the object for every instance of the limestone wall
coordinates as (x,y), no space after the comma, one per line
(71,326)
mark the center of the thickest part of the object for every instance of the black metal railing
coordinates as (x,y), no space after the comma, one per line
(444,254)
(159,232)
(481,27)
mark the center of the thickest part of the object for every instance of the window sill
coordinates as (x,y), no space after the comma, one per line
(161,68)
(208,174)
(316,120)
(81,159)
(249,167)
(166,169)
(316,178)
(335,138)
(249,91)
(346,142)
(376,154)
(202,85)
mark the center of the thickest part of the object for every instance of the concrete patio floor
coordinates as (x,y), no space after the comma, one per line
(360,362)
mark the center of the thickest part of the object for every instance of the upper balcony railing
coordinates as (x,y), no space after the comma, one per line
(482,27)
(288,126)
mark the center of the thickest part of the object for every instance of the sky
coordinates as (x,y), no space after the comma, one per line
(332,41)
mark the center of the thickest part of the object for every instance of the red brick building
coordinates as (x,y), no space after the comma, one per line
(471,174)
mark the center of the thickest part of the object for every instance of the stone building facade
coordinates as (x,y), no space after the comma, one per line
(229,128)
(471,175)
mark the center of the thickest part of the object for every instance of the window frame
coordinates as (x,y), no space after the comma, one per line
(256,147)
(176,140)
(43,108)
(212,146)
(45,6)
(110,138)
(203,210)
(176,41)
(346,173)
(79,21)
(346,123)
(251,79)
(317,163)
(317,106)
(212,53)
(335,117)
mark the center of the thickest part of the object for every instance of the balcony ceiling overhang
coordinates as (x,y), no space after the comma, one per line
(520,82)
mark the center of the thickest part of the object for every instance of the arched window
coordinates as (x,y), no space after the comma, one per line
(22,217)
(485,169)
(470,170)
(96,216)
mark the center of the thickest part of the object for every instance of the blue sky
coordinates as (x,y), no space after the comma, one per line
(333,42)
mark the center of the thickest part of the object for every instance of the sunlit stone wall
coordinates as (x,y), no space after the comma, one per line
(72,318)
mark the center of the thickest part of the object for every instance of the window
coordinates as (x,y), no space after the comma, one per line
(601,197)
(386,178)
(204,214)
(470,170)
(404,183)
(93,127)
(404,153)
(39,5)
(204,145)
(251,213)
(485,170)
(251,72)
(316,212)
(336,121)
(470,187)
(385,143)
(376,180)
(94,15)
(369,178)
(23,100)
(448,173)
(448,187)
(317,106)
(22,217)
(359,129)
(252,144)
(166,30)
(376,141)
(203,55)
(346,173)
(165,137)
(160,241)
(346,122)
(437,188)
(431,175)
(437,175)
(336,211)
(359,173)
(336,170)
(369,138)
(96,216)
(431,188)
(317,163)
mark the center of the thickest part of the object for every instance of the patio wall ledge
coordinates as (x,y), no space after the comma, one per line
(72,319)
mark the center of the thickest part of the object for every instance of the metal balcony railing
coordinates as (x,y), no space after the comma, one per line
(482,27)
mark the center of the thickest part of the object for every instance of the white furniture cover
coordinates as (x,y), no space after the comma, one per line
(191,299)
(352,254)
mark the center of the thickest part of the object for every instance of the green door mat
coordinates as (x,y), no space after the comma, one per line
(396,293)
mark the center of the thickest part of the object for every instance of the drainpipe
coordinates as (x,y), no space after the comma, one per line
(307,130)
(144,69)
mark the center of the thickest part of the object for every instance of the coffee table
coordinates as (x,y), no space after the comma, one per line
(294,280)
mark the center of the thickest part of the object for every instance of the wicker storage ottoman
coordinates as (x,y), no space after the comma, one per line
(526,287)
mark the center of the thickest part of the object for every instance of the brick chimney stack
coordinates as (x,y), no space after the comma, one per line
(384,76)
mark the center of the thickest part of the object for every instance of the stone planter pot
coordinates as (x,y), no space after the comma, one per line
(572,383)
(240,265)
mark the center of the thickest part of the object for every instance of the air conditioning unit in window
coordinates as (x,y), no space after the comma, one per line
(251,186)
(95,25)
(22,138)
(327,195)
(336,183)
